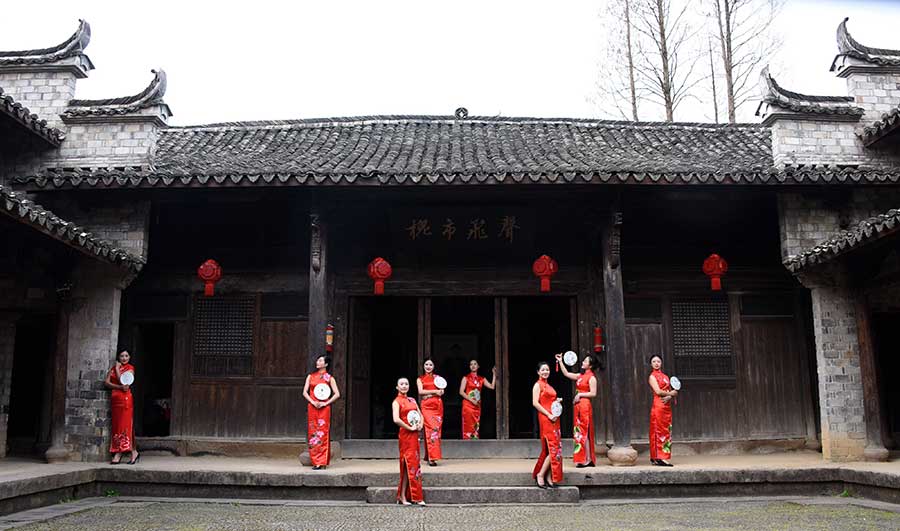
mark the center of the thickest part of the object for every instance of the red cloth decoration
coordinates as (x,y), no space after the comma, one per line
(598,339)
(209,272)
(329,338)
(379,271)
(545,267)
(715,267)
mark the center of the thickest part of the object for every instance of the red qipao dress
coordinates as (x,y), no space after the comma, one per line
(409,453)
(122,404)
(318,423)
(551,439)
(471,414)
(583,432)
(433,418)
(660,421)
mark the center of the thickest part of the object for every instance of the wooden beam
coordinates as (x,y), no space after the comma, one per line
(319,293)
(621,454)
(875,450)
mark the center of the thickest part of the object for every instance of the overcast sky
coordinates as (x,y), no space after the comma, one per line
(281,60)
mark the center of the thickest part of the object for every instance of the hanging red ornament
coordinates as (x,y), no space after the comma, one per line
(329,338)
(598,339)
(545,267)
(209,272)
(379,271)
(715,267)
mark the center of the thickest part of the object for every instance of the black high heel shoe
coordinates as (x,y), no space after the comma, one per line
(551,485)
(539,485)
(135,460)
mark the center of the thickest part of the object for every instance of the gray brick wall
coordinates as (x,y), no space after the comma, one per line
(840,380)
(93,333)
(125,224)
(112,143)
(46,90)
(877,93)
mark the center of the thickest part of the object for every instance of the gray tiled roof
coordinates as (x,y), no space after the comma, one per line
(71,47)
(21,209)
(151,95)
(863,232)
(888,123)
(32,122)
(413,149)
(848,46)
(775,95)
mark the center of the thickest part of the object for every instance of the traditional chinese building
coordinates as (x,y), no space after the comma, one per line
(791,352)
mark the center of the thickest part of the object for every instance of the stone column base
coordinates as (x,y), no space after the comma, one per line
(876,453)
(622,455)
(57,454)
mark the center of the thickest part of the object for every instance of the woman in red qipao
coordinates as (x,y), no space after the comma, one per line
(432,412)
(470,388)
(318,414)
(583,417)
(122,403)
(542,398)
(660,415)
(410,489)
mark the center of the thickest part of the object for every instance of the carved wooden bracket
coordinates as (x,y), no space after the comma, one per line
(315,249)
(615,240)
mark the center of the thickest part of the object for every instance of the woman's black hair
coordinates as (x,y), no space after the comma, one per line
(650,359)
(327,359)
(429,358)
(541,364)
(594,362)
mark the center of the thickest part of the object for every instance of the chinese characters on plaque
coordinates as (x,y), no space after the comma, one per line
(503,228)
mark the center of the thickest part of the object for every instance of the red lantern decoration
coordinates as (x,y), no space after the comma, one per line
(598,339)
(715,267)
(329,338)
(379,271)
(209,272)
(545,267)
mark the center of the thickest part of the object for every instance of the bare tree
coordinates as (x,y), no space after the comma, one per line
(743,32)
(618,85)
(667,53)
(712,78)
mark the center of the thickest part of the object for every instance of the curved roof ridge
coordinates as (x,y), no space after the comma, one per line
(847,45)
(33,122)
(859,234)
(151,95)
(72,46)
(17,206)
(775,95)
(432,119)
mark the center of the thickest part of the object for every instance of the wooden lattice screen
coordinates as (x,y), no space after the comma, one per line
(223,336)
(702,338)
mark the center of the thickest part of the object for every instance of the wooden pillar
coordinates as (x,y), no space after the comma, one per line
(57,452)
(319,296)
(621,454)
(875,450)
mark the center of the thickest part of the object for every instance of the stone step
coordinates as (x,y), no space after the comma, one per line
(452,449)
(480,495)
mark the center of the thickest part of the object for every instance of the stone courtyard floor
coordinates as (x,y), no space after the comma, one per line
(146,514)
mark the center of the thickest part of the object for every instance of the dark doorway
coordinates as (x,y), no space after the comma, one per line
(539,327)
(153,357)
(28,428)
(383,349)
(462,329)
(886,328)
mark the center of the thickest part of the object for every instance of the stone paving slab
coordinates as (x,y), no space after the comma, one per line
(714,514)
(481,495)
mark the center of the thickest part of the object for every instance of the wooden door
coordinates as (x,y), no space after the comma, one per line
(359,355)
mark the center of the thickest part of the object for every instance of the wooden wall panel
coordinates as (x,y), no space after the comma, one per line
(642,340)
(773,393)
(281,349)
(232,409)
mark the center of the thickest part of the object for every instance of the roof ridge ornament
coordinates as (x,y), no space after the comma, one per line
(151,95)
(71,47)
(776,96)
(850,47)
(461,113)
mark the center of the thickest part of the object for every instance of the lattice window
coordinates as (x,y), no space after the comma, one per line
(223,336)
(702,338)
